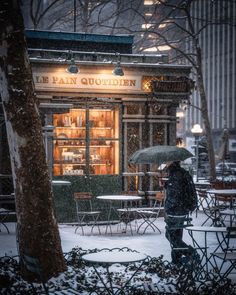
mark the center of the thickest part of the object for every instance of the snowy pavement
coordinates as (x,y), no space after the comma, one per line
(150,243)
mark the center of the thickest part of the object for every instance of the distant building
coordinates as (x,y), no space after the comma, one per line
(219,67)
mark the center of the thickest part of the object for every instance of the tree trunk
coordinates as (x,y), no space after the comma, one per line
(204,112)
(38,234)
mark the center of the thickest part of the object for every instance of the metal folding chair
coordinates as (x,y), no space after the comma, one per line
(206,203)
(150,215)
(228,216)
(85,213)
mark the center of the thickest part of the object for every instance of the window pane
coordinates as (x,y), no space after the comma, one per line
(86,144)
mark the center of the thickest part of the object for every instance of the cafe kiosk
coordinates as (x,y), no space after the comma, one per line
(94,120)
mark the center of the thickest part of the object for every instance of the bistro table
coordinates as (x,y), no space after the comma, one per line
(107,257)
(206,258)
(112,209)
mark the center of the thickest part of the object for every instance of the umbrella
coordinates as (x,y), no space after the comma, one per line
(159,154)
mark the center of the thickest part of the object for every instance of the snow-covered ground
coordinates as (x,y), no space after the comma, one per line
(150,243)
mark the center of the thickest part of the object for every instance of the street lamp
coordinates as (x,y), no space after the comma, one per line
(197,131)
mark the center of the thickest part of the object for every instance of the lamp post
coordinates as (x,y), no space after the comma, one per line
(197,131)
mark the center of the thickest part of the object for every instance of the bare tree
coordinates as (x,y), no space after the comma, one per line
(37,230)
(177,28)
(171,24)
(74,15)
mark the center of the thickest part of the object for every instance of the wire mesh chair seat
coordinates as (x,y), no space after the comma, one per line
(86,215)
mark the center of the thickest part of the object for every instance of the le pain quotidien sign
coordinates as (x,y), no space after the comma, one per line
(105,82)
(85,82)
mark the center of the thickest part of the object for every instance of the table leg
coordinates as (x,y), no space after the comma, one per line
(220,243)
(109,218)
(110,287)
(125,217)
(109,215)
(109,290)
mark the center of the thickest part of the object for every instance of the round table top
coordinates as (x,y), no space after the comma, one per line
(213,229)
(222,191)
(61,182)
(114,256)
(119,198)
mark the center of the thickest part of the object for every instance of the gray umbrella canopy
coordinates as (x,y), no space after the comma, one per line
(160,154)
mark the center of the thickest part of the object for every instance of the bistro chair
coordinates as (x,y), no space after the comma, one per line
(228,255)
(207,204)
(150,214)
(86,215)
(228,216)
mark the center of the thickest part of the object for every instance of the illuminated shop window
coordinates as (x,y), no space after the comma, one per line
(87,142)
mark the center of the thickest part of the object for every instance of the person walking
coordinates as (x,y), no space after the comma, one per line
(181,200)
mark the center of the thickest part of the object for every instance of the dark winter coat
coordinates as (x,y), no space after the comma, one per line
(175,187)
